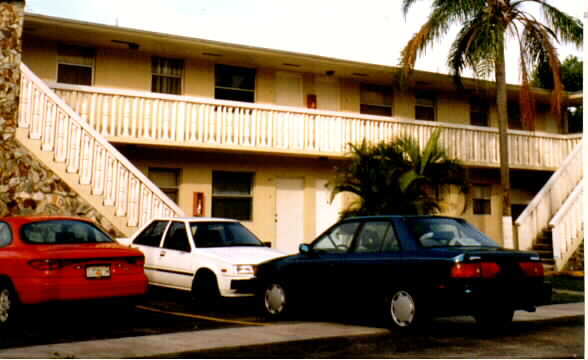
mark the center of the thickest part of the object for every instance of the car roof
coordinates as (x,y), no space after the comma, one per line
(194,219)
(375,217)
(14,219)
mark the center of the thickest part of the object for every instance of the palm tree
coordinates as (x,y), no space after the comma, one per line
(480,46)
(397,177)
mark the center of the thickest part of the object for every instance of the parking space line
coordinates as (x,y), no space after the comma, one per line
(202,317)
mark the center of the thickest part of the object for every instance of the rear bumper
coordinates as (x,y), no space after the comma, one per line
(40,290)
(467,299)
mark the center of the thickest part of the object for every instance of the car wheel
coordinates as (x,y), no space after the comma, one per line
(495,318)
(402,311)
(205,290)
(8,305)
(275,301)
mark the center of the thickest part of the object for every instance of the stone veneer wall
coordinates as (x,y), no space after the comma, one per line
(26,186)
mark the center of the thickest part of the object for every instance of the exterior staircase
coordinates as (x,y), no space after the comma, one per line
(85,160)
(552,223)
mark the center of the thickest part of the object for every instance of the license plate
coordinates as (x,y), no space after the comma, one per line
(98,271)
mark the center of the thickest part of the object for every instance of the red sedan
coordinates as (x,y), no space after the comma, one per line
(57,258)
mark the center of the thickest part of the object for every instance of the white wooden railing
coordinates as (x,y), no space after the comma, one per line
(88,154)
(567,228)
(535,218)
(135,116)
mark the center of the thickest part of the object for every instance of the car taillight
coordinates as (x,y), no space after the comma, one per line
(46,264)
(531,268)
(136,260)
(475,270)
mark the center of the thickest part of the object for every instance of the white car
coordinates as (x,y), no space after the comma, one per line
(208,256)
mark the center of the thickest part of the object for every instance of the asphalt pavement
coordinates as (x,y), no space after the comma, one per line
(176,344)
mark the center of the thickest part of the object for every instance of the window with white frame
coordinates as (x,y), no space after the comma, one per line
(167,180)
(166,75)
(375,100)
(482,195)
(424,108)
(75,64)
(232,195)
(234,83)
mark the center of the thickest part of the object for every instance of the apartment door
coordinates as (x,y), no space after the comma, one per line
(327,212)
(327,93)
(289,89)
(289,214)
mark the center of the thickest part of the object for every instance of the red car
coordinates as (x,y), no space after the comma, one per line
(58,258)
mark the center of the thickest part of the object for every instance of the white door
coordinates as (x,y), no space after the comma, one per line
(289,89)
(327,211)
(327,93)
(289,214)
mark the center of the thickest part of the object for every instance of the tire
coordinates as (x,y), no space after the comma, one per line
(276,302)
(402,311)
(497,318)
(205,290)
(8,305)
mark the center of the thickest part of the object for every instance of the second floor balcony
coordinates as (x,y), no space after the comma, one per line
(133,117)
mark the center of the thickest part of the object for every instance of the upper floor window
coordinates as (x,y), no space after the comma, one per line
(375,100)
(479,112)
(166,75)
(482,196)
(514,116)
(234,83)
(232,195)
(424,108)
(75,64)
(167,180)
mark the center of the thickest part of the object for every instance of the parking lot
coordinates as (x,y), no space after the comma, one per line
(161,311)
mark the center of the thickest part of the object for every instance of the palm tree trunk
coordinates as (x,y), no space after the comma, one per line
(501,104)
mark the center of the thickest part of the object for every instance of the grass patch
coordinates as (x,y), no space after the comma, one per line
(562,298)
(567,283)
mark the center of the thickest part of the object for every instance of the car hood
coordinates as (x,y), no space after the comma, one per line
(243,254)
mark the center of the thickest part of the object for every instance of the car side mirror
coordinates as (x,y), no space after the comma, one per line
(267,244)
(304,249)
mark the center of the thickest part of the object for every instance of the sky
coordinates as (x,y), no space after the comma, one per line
(371,31)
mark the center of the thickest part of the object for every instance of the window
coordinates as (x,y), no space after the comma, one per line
(152,234)
(177,238)
(482,195)
(167,180)
(234,83)
(232,195)
(63,232)
(5,234)
(337,240)
(478,112)
(373,235)
(514,117)
(75,65)
(425,107)
(222,234)
(375,100)
(166,75)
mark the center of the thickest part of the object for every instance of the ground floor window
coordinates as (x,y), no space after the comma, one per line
(167,180)
(232,195)
(482,195)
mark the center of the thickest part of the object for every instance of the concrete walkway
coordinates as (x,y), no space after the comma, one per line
(170,345)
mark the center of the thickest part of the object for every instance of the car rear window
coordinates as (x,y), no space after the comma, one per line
(63,232)
(5,234)
(445,232)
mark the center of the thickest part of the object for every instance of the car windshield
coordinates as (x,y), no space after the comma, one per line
(222,234)
(445,232)
(63,232)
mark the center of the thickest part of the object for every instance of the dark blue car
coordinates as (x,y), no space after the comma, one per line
(409,268)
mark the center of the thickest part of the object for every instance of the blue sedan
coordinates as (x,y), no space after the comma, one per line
(409,268)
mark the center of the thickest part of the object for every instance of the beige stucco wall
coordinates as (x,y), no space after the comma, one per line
(122,69)
(41,57)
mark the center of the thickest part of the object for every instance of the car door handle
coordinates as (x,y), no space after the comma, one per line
(162,253)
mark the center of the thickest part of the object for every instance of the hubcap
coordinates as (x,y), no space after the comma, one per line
(275,299)
(4,305)
(402,308)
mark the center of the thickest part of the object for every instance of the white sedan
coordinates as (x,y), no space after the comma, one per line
(208,256)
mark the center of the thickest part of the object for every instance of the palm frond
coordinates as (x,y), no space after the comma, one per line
(568,28)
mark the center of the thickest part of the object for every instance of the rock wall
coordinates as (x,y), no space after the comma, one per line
(26,186)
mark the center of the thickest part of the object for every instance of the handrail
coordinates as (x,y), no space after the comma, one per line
(86,152)
(134,116)
(534,219)
(567,227)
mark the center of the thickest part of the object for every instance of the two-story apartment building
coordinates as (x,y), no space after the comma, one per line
(255,134)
